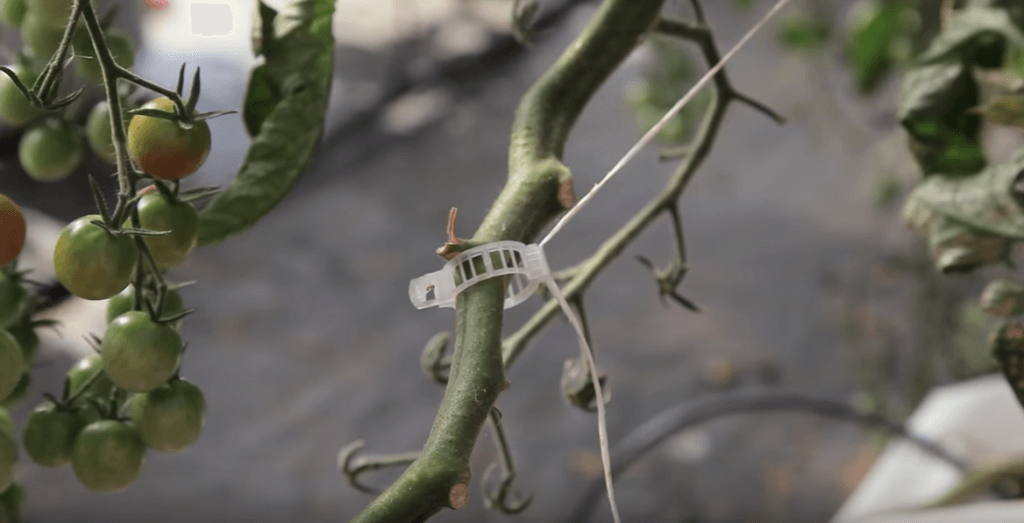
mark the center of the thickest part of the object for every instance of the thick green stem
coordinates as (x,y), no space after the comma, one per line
(528,202)
(583,274)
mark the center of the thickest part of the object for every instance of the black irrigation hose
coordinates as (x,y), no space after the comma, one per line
(684,416)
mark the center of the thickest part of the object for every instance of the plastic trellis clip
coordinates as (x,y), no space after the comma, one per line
(525,263)
(528,268)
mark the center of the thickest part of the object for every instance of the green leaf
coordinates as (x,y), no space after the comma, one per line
(261,98)
(936,106)
(263,29)
(986,201)
(299,66)
(929,90)
(969,29)
(669,73)
(804,33)
(869,50)
(1003,297)
(1007,345)
(959,248)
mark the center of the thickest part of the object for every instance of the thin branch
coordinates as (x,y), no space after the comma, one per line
(760,106)
(588,270)
(680,242)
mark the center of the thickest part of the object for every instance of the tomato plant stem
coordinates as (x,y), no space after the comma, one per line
(528,202)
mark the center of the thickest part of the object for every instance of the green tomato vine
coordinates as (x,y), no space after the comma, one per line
(128,396)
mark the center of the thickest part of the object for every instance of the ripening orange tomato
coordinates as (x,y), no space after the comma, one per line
(12,230)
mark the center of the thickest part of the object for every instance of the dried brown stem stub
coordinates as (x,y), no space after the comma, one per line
(566,193)
(449,250)
(458,496)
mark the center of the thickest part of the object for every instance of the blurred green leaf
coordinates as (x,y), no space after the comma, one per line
(958,248)
(285,107)
(1007,344)
(804,32)
(262,37)
(986,201)
(261,98)
(935,107)
(1003,297)
(669,73)
(974,328)
(978,33)
(869,48)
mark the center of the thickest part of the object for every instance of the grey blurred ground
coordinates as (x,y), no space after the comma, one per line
(305,339)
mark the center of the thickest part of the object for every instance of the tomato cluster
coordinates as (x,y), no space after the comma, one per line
(52,147)
(95,263)
(127,397)
(117,403)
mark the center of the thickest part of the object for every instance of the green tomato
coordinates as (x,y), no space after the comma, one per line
(158,214)
(26,337)
(121,49)
(12,503)
(8,451)
(39,38)
(15,109)
(12,12)
(90,262)
(171,416)
(139,354)
(14,300)
(51,150)
(165,149)
(101,388)
(54,13)
(12,363)
(98,133)
(50,432)
(122,302)
(20,392)
(108,456)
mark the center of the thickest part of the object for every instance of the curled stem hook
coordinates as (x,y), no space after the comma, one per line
(353,467)
(501,500)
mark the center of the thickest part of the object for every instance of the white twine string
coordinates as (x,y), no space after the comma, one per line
(646,138)
(557,292)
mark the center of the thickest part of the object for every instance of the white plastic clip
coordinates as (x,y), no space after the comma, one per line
(525,263)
